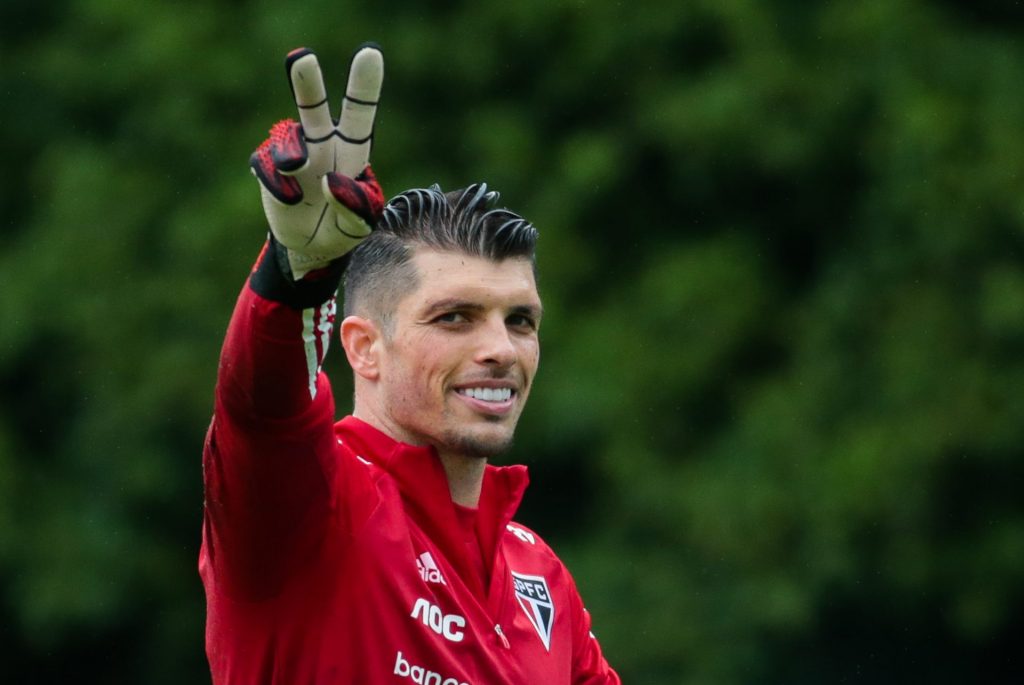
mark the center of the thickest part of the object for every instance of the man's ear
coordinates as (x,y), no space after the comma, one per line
(361,339)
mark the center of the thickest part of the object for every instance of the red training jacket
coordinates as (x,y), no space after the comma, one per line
(334,554)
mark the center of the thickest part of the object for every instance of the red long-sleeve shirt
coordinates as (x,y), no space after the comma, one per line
(334,554)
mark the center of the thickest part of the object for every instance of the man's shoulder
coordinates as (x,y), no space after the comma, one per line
(536,570)
(523,541)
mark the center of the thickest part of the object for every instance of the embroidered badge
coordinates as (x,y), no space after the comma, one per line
(535,599)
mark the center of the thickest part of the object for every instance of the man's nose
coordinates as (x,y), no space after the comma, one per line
(495,346)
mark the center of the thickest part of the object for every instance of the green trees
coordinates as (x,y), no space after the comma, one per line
(777,428)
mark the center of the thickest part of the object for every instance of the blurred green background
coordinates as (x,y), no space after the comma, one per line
(779,427)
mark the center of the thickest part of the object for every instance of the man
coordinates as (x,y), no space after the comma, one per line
(379,549)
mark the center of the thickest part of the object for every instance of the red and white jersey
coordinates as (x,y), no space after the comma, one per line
(334,554)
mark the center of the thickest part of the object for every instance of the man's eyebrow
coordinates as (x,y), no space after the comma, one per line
(455,304)
(533,311)
(451,303)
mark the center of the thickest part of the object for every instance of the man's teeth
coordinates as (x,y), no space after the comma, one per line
(488,394)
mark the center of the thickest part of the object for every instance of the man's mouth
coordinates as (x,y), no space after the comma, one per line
(487,394)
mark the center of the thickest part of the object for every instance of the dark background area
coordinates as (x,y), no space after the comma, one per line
(777,432)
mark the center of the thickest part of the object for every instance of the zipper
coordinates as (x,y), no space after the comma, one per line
(504,640)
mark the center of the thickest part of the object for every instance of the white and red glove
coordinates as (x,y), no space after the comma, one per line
(319,193)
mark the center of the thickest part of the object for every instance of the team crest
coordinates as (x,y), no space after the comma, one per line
(535,599)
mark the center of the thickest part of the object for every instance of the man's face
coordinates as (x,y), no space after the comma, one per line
(456,369)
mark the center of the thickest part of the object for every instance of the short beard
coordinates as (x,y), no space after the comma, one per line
(474,448)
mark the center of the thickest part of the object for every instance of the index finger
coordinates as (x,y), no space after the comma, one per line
(359,108)
(310,94)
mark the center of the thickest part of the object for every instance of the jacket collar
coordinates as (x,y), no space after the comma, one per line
(422,482)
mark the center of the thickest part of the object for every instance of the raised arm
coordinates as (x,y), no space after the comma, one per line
(271,442)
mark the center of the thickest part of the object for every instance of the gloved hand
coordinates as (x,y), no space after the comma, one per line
(319,194)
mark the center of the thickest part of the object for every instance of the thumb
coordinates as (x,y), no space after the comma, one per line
(360,196)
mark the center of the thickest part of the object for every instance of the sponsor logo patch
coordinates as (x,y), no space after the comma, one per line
(428,569)
(535,599)
(420,675)
(447,625)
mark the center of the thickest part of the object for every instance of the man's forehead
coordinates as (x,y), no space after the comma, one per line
(453,275)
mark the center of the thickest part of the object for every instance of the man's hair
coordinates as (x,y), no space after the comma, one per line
(464,221)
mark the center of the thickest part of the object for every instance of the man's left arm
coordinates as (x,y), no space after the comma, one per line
(589,666)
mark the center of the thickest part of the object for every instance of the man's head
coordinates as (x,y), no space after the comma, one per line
(441,320)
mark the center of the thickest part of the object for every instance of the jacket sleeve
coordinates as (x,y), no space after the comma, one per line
(270,446)
(589,666)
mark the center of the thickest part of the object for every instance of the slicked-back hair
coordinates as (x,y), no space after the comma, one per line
(464,221)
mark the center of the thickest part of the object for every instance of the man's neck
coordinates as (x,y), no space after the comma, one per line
(465,478)
(465,474)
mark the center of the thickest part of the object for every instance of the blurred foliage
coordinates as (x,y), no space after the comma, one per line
(779,425)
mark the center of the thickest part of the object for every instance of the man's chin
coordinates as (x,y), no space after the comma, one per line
(477,446)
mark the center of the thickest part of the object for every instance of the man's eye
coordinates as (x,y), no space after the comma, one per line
(521,321)
(451,317)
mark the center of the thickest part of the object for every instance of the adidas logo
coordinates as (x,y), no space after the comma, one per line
(428,569)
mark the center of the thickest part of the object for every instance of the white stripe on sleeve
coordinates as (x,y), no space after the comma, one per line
(317,328)
(309,342)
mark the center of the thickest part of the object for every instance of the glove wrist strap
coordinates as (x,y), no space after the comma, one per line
(272,278)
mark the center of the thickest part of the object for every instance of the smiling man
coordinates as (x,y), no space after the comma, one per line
(381,548)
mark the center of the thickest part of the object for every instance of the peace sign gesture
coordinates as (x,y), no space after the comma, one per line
(319,194)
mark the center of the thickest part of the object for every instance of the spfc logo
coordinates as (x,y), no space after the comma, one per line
(535,599)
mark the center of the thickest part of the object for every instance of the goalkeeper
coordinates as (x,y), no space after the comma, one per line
(381,548)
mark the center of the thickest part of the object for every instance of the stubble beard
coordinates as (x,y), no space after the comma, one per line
(476,447)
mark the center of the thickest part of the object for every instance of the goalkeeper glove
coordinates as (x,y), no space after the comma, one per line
(319,193)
